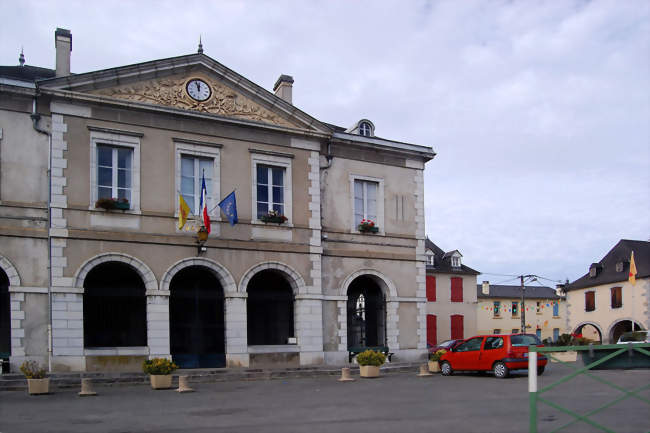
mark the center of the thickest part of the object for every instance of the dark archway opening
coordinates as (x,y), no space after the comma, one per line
(115,307)
(366,313)
(622,327)
(589,331)
(5,322)
(196,317)
(269,309)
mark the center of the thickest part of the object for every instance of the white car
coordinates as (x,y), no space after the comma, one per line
(634,337)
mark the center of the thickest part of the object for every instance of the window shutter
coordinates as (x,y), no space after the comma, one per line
(432,330)
(457,327)
(431,288)
(456,289)
(590,301)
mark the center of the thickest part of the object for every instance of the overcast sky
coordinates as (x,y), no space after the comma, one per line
(538,111)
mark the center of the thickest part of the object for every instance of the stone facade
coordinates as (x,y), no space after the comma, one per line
(319,252)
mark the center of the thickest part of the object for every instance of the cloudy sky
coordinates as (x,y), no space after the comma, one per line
(539,111)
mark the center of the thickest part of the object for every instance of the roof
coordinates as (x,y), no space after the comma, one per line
(442,261)
(26,72)
(606,272)
(510,292)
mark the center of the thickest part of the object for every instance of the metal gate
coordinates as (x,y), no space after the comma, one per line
(611,356)
(196,315)
(366,314)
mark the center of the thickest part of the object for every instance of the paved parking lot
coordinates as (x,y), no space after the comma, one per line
(395,403)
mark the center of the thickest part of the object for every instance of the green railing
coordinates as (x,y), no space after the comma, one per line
(603,356)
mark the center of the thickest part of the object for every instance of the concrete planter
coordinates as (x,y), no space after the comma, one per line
(434,367)
(38,386)
(369,371)
(161,381)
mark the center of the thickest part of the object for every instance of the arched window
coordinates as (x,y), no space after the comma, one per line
(115,308)
(365,129)
(269,309)
(5,323)
(366,316)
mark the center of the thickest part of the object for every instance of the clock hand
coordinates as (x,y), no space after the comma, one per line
(198,86)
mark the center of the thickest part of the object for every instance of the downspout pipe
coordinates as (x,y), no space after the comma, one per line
(35,123)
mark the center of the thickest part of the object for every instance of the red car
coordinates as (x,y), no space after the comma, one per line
(498,353)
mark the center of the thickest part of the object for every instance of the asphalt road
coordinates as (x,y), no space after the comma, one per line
(396,403)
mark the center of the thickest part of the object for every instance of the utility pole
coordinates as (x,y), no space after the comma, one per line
(523,306)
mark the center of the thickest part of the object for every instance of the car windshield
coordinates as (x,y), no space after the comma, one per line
(633,336)
(524,340)
(447,343)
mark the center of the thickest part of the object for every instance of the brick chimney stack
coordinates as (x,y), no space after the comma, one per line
(63,44)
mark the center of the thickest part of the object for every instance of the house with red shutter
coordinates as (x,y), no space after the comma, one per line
(451,295)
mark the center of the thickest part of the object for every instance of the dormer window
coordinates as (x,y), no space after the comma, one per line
(619,267)
(430,257)
(455,261)
(365,129)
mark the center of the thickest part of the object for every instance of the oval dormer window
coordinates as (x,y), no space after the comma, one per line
(365,129)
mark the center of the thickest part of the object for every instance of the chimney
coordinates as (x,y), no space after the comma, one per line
(486,287)
(283,88)
(63,44)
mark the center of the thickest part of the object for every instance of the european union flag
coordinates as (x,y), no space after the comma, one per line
(229,208)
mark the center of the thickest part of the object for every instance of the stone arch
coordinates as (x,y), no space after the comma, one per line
(143,270)
(386,285)
(10,270)
(295,280)
(594,324)
(611,327)
(222,274)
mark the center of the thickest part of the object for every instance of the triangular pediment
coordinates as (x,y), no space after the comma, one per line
(165,83)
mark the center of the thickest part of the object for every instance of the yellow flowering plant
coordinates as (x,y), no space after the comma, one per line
(158,366)
(370,357)
(437,355)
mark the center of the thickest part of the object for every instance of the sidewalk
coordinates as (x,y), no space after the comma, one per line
(16,382)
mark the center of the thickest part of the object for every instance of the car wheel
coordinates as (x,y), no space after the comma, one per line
(500,370)
(540,371)
(445,369)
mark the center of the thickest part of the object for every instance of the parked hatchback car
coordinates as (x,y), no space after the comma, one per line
(634,337)
(446,345)
(500,353)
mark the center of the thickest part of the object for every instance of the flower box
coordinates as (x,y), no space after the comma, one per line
(112,203)
(274,217)
(367,226)
(161,381)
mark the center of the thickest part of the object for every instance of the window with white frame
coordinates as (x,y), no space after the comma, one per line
(193,161)
(367,201)
(430,257)
(115,166)
(455,261)
(271,184)
(365,129)
(114,172)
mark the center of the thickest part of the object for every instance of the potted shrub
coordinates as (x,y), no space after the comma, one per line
(160,372)
(369,363)
(367,226)
(112,203)
(274,217)
(37,383)
(434,360)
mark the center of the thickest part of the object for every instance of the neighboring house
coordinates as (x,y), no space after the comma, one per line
(499,310)
(451,298)
(604,303)
(116,286)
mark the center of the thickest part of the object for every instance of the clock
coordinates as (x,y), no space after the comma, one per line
(198,90)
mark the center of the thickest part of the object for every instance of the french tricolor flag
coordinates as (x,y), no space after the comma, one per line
(204,204)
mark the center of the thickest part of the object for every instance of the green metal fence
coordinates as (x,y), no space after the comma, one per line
(610,356)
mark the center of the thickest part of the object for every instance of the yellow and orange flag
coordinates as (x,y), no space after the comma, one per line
(183,211)
(632,276)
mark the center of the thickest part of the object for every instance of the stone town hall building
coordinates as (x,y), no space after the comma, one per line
(88,288)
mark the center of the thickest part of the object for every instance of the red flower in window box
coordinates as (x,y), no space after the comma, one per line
(274,217)
(367,226)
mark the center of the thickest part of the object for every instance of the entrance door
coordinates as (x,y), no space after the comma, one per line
(366,314)
(196,316)
(5,323)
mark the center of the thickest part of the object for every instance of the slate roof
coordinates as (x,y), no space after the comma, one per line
(606,268)
(26,72)
(514,292)
(442,261)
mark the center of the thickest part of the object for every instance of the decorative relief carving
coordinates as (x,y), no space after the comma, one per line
(171,92)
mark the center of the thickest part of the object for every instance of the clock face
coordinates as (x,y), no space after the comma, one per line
(198,90)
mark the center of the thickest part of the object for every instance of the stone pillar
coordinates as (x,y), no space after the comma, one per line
(67,330)
(342,306)
(17,315)
(236,330)
(309,329)
(392,329)
(158,323)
